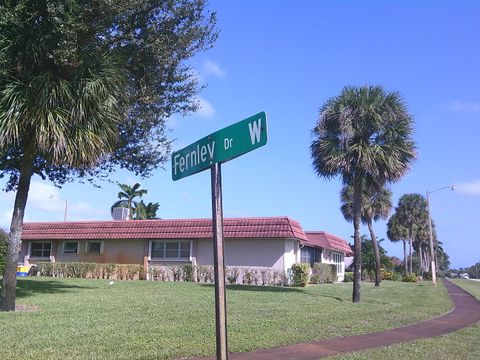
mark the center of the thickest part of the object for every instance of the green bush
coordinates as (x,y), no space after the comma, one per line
(324,273)
(409,278)
(391,275)
(348,276)
(301,274)
(91,270)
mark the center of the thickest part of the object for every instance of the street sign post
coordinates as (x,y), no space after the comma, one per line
(210,152)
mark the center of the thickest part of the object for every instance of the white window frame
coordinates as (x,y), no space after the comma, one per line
(68,252)
(87,247)
(30,256)
(165,258)
(337,260)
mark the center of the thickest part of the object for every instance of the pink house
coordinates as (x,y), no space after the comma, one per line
(273,242)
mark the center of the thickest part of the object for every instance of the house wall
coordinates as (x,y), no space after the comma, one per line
(245,252)
(327,258)
(291,253)
(279,254)
(114,251)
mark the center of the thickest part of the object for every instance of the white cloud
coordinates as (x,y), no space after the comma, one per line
(212,68)
(206,109)
(465,106)
(130,181)
(45,197)
(84,211)
(469,188)
(6,219)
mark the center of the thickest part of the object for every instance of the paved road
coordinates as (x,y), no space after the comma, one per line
(465,313)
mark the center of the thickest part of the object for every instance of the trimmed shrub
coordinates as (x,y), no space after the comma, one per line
(409,278)
(233,274)
(391,275)
(348,277)
(301,274)
(324,274)
(205,273)
(91,270)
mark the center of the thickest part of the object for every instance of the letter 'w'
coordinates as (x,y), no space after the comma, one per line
(255,130)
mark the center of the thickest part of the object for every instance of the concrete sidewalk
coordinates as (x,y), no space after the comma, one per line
(466,312)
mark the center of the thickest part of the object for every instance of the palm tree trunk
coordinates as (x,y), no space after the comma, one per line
(421,258)
(405,262)
(410,251)
(8,294)
(376,251)
(357,260)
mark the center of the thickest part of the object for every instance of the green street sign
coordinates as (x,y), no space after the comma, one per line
(221,146)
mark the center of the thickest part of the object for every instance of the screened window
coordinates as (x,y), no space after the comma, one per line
(94,247)
(70,247)
(309,255)
(40,249)
(337,260)
(170,250)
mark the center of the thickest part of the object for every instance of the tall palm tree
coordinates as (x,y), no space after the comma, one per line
(127,196)
(363,135)
(411,213)
(68,114)
(146,211)
(397,232)
(376,205)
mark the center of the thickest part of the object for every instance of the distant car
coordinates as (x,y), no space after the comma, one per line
(465,276)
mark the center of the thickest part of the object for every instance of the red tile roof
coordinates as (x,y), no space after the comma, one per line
(268,227)
(327,241)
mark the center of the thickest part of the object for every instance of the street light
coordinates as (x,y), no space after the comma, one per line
(66,205)
(432,253)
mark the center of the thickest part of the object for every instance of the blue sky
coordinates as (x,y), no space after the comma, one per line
(287,58)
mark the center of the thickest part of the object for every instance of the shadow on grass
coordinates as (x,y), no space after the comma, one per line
(27,288)
(276,289)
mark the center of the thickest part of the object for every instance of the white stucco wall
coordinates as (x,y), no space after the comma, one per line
(244,252)
(291,250)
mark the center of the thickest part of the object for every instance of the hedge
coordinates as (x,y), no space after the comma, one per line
(205,274)
(188,272)
(324,273)
(301,274)
(89,270)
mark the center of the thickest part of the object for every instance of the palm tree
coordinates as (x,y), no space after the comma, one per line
(68,114)
(376,205)
(369,261)
(411,213)
(396,232)
(146,211)
(127,196)
(364,136)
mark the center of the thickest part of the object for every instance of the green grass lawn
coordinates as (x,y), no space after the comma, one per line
(90,319)
(470,286)
(461,344)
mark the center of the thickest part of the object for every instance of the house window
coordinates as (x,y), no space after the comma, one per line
(40,249)
(94,247)
(70,247)
(170,250)
(337,260)
(309,255)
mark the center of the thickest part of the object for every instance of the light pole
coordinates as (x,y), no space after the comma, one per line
(432,253)
(66,205)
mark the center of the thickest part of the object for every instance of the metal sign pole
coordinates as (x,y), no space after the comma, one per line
(219,263)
